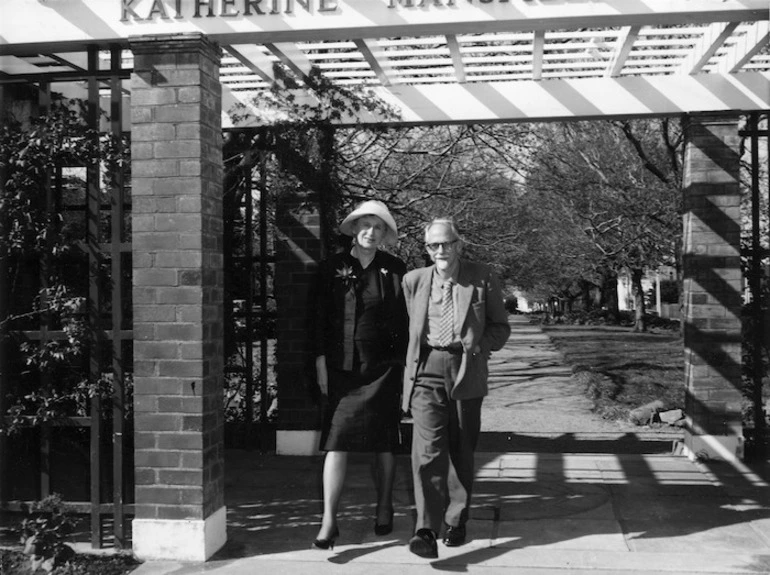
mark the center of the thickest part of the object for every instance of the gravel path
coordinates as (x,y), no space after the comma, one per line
(532,391)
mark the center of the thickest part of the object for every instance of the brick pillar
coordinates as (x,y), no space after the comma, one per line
(176,147)
(297,254)
(712,288)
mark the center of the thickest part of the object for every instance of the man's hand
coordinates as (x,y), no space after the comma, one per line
(322,375)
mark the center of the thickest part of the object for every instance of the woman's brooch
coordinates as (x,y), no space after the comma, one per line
(346,275)
(384,271)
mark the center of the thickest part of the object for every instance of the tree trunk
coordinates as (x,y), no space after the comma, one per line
(585,295)
(610,296)
(640,324)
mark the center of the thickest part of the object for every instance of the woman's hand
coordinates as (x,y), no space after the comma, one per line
(322,375)
(478,350)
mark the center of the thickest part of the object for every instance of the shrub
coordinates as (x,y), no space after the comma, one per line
(14,562)
(43,532)
(48,379)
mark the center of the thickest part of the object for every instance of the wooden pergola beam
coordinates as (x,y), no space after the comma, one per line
(750,44)
(457,57)
(626,39)
(291,57)
(551,99)
(377,59)
(538,44)
(710,42)
(254,59)
(30,26)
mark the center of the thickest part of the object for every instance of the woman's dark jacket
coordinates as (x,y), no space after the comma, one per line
(335,310)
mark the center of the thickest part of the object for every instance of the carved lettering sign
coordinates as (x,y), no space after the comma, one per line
(151,10)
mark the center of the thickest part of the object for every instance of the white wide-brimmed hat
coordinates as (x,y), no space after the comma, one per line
(372,208)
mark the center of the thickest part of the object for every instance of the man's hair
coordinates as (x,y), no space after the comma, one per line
(448,222)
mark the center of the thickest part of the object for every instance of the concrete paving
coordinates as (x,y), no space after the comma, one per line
(577,499)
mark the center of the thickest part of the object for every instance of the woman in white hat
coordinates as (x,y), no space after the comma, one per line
(360,344)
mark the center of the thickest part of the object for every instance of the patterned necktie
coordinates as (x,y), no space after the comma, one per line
(446,327)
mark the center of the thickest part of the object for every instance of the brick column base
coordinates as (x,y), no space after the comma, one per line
(712,289)
(179,540)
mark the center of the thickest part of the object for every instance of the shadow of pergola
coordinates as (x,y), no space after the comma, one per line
(581,500)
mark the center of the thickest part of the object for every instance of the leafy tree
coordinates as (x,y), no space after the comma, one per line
(560,210)
(755,263)
(34,156)
(425,172)
(618,183)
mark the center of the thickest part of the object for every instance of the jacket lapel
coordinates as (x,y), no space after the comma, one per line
(386,288)
(464,295)
(421,298)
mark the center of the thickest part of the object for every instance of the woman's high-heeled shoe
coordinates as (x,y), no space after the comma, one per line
(328,542)
(384,528)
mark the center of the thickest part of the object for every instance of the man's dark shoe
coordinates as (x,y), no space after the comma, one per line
(424,544)
(454,536)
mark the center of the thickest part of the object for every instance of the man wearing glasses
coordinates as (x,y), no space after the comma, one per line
(456,319)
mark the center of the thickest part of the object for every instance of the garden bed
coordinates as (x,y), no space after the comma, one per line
(15,562)
(623,370)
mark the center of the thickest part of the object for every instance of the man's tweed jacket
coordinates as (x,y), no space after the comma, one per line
(481,313)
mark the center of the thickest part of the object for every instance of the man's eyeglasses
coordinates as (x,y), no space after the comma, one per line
(446,245)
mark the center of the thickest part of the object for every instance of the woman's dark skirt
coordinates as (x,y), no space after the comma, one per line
(363,411)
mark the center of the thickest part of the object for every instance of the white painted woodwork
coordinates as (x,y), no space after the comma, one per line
(255,59)
(746,46)
(375,55)
(457,57)
(538,46)
(626,40)
(711,41)
(515,60)
(179,539)
(292,57)
(560,99)
(37,24)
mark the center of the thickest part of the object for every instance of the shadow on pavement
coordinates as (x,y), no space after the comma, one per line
(590,500)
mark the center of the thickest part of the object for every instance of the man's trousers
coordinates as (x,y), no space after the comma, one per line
(444,438)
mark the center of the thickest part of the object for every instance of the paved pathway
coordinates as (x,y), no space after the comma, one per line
(531,388)
(533,514)
(563,494)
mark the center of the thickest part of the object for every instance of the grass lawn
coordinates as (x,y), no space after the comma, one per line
(624,370)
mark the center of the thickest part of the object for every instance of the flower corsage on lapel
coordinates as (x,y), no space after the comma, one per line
(347,276)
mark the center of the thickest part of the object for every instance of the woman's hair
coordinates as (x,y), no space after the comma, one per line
(448,222)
